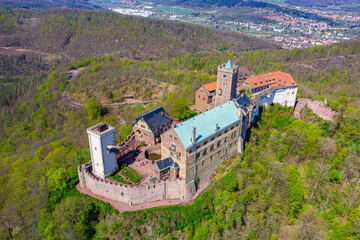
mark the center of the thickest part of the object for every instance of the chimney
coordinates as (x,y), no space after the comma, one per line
(193,140)
(270,73)
(216,127)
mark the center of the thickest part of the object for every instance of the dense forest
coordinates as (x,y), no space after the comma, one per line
(32,4)
(81,33)
(296,179)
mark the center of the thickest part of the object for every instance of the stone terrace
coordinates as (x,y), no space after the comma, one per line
(318,107)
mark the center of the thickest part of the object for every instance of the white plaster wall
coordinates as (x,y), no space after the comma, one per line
(287,95)
(96,155)
(146,127)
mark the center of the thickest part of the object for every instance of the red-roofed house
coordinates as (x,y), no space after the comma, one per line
(274,87)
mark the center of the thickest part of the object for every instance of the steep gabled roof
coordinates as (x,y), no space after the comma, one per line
(155,118)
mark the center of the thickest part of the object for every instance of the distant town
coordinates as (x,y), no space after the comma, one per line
(287,31)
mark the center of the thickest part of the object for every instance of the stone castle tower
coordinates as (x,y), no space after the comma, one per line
(103,161)
(227,76)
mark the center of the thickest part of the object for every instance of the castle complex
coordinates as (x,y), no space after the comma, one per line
(190,150)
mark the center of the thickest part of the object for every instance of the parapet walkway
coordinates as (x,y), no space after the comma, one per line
(122,207)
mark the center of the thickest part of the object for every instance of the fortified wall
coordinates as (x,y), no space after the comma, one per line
(134,194)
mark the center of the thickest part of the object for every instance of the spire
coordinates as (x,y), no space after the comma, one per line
(228,65)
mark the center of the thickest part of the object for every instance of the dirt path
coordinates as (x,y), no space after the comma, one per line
(125,178)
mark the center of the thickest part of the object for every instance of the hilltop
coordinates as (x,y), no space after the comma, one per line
(296,179)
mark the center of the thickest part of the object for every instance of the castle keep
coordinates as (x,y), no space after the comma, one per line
(102,160)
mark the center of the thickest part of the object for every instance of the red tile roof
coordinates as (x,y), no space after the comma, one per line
(272,79)
(210,87)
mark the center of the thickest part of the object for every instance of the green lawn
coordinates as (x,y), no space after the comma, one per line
(131,174)
(119,179)
(173,10)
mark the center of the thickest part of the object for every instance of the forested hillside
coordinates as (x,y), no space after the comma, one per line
(296,179)
(80,33)
(44,38)
(29,4)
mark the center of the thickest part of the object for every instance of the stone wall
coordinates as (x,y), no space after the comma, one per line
(145,136)
(132,194)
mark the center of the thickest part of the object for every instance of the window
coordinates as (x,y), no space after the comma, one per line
(218,143)
(224,84)
(197,155)
(173,147)
(213,138)
(175,138)
(95,148)
(142,126)
(212,147)
(232,127)
(171,136)
(205,152)
(199,96)
(226,131)
(190,151)
(205,143)
(225,139)
(224,75)
(220,92)
(142,120)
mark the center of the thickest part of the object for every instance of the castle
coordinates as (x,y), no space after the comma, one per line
(191,150)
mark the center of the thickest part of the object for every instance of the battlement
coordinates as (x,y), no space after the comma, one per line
(101,129)
(132,194)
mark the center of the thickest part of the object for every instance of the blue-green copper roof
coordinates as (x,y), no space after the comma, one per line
(228,65)
(223,115)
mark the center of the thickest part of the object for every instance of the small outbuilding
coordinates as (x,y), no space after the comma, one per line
(166,168)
